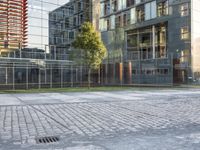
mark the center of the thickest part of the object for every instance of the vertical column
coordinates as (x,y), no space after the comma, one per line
(121,73)
(129,73)
(153,42)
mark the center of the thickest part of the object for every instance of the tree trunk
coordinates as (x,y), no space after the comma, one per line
(89,72)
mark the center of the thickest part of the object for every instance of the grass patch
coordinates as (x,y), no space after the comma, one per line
(95,89)
(79,89)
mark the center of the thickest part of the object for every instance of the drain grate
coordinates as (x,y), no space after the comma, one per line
(49,139)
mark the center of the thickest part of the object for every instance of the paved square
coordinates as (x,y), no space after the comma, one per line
(123,120)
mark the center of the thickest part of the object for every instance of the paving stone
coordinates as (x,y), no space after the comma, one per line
(90,119)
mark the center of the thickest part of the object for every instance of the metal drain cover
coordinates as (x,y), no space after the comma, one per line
(46,140)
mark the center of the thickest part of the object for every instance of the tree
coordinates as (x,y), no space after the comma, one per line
(89,49)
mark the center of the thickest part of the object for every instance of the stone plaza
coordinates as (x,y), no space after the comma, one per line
(161,119)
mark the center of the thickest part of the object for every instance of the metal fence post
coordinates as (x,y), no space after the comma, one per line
(99,75)
(81,78)
(27,76)
(72,76)
(39,79)
(172,69)
(6,75)
(51,74)
(76,75)
(13,76)
(61,72)
(106,72)
(45,75)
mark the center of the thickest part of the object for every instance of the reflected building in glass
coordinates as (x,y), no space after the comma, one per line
(156,41)
(13,25)
(65,23)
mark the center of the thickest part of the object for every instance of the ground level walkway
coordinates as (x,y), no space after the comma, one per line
(120,120)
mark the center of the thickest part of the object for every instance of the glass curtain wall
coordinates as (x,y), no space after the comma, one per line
(38,21)
(33,66)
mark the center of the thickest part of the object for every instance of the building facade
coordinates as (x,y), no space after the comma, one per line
(13,25)
(65,22)
(157,40)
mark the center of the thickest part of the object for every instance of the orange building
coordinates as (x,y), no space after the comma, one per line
(13,25)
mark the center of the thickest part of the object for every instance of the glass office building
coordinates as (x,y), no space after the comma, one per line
(158,40)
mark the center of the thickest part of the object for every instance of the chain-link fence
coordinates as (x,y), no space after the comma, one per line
(41,72)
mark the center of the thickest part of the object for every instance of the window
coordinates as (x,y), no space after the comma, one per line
(71,10)
(118,22)
(184,33)
(137,1)
(106,8)
(71,35)
(162,9)
(102,10)
(184,10)
(185,56)
(160,41)
(74,22)
(162,71)
(132,40)
(67,24)
(102,25)
(108,24)
(140,14)
(126,19)
(134,72)
(147,11)
(114,5)
(129,3)
(150,10)
(112,22)
(81,19)
(144,39)
(80,6)
(132,15)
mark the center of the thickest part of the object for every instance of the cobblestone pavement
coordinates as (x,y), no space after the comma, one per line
(102,120)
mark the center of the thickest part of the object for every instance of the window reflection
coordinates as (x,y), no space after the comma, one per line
(38,21)
(140,43)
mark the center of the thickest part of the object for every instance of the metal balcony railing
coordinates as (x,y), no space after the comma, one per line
(140,55)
